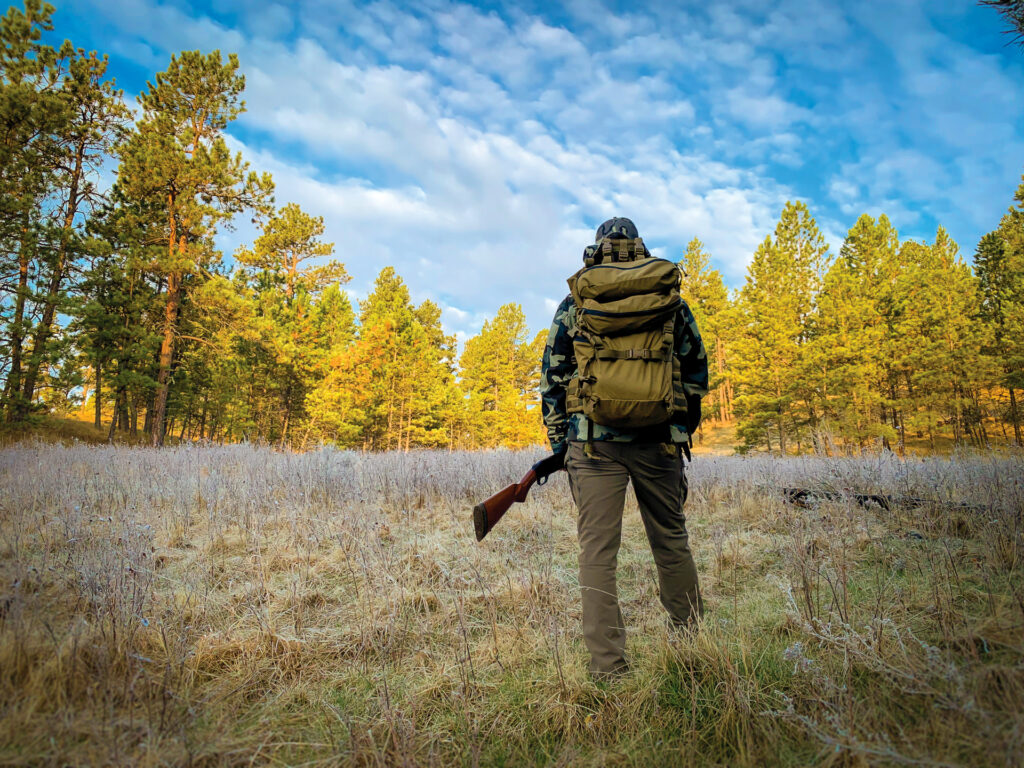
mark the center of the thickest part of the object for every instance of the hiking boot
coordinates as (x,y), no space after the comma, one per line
(611,676)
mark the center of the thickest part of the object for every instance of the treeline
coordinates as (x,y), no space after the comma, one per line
(884,343)
(118,297)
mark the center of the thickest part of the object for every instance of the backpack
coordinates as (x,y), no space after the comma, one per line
(623,330)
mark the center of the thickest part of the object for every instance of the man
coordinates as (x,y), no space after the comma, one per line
(602,459)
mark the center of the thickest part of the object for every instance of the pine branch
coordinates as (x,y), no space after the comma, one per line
(1013,12)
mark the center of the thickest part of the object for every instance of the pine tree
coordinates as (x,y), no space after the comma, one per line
(32,115)
(288,292)
(290,239)
(851,341)
(331,402)
(176,166)
(499,372)
(335,319)
(708,298)
(1013,12)
(999,263)
(114,327)
(939,340)
(776,396)
(389,388)
(94,116)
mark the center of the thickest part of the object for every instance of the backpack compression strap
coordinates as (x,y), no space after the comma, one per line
(625,250)
(662,355)
(622,248)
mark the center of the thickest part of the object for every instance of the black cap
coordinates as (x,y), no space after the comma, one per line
(617,226)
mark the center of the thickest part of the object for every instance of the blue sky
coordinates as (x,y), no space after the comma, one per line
(475,147)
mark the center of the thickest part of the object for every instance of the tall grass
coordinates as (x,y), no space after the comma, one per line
(237,606)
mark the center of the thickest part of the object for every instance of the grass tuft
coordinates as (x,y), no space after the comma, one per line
(228,605)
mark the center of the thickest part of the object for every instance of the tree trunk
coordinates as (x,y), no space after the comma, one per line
(166,356)
(720,367)
(1015,417)
(202,417)
(118,416)
(113,425)
(287,414)
(133,413)
(957,413)
(284,429)
(885,422)
(96,395)
(391,416)
(147,421)
(42,334)
(175,249)
(13,388)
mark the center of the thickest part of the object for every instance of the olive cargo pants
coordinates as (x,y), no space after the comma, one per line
(598,484)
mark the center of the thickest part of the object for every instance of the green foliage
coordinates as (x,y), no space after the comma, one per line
(119,299)
(60,118)
(938,338)
(999,263)
(181,180)
(499,372)
(775,395)
(851,352)
(387,385)
(706,294)
(290,238)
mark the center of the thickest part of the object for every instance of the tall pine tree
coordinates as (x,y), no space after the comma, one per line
(776,393)
(999,263)
(178,170)
(499,371)
(708,298)
(850,347)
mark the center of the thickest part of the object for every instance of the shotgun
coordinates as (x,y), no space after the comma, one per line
(487,513)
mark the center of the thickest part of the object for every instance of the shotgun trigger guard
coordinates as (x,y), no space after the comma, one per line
(542,480)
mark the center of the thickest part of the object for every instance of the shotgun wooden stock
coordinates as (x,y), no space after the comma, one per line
(487,513)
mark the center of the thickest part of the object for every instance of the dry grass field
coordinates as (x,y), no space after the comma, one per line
(241,606)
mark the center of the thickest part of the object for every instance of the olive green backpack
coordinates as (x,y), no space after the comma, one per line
(626,304)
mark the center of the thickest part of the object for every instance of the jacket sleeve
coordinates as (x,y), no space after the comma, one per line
(693,364)
(556,369)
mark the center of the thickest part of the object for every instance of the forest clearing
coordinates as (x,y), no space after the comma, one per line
(235,606)
(283,301)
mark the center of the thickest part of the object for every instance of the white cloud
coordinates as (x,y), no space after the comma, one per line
(460,316)
(477,150)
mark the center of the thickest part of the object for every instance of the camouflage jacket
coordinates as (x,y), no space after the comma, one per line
(559,365)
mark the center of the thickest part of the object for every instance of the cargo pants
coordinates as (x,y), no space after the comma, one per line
(598,483)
